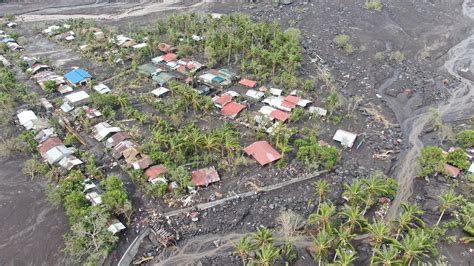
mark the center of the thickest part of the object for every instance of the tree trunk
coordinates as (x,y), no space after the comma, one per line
(440,216)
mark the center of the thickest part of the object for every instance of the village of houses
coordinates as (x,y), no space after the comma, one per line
(231,93)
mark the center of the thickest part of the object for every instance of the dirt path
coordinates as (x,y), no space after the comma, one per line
(458,106)
(166,5)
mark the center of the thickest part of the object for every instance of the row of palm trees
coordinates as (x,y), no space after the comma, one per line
(337,230)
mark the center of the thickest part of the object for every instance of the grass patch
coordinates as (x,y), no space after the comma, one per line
(374,5)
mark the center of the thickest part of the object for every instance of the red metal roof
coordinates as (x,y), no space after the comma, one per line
(288,104)
(292,99)
(48,144)
(205,176)
(247,82)
(170,57)
(263,152)
(232,109)
(280,115)
(224,99)
(155,171)
(451,170)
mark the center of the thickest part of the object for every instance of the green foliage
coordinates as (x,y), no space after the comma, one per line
(33,168)
(397,56)
(431,160)
(311,153)
(50,86)
(342,40)
(459,159)
(374,5)
(297,115)
(76,206)
(465,138)
(380,56)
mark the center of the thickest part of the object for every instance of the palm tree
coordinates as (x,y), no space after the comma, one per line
(243,248)
(345,257)
(448,201)
(415,244)
(354,217)
(321,186)
(354,193)
(344,237)
(378,232)
(122,100)
(387,256)
(409,217)
(267,254)
(324,216)
(263,236)
(322,244)
(375,186)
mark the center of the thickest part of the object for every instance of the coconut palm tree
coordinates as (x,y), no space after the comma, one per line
(378,232)
(321,186)
(243,248)
(448,201)
(414,245)
(386,256)
(122,100)
(375,187)
(263,236)
(324,216)
(343,237)
(322,244)
(355,192)
(353,216)
(409,217)
(345,257)
(267,254)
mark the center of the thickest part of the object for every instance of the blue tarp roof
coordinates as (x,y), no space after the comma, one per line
(77,75)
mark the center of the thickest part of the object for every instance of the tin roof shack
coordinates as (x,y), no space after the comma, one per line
(116,138)
(123,41)
(205,176)
(115,226)
(263,152)
(46,104)
(44,134)
(232,109)
(94,198)
(156,174)
(346,138)
(25,117)
(73,100)
(103,130)
(166,48)
(318,110)
(57,153)
(102,88)
(48,144)
(119,149)
(69,162)
(248,83)
(78,77)
(163,78)
(160,92)
(143,162)
(223,100)
(149,70)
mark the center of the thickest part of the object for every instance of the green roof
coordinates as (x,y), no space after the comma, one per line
(162,78)
(147,69)
(218,79)
(227,72)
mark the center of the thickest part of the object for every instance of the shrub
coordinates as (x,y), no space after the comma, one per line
(459,159)
(397,56)
(465,138)
(380,56)
(431,160)
(342,40)
(374,5)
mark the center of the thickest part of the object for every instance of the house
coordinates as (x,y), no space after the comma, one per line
(263,152)
(232,109)
(73,100)
(279,103)
(69,162)
(131,154)
(149,70)
(143,162)
(68,36)
(203,90)
(48,144)
(36,68)
(204,177)
(163,78)
(99,36)
(297,101)
(25,118)
(227,74)
(119,149)
(63,89)
(221,101)
(12,24)
(248,83)
(46,104)
(101,88)
(115,226)
(346,138)
(280,115)
(78,77)
(123,41)
(94,198)
(44,134)
(160,92)
(169,57)
(116,138)
(156,173)
(38,124)
(57,153)
(275,92)
(90,112)
(166,48)
(103,129)
(318,110)
(257,95)
(451,171)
